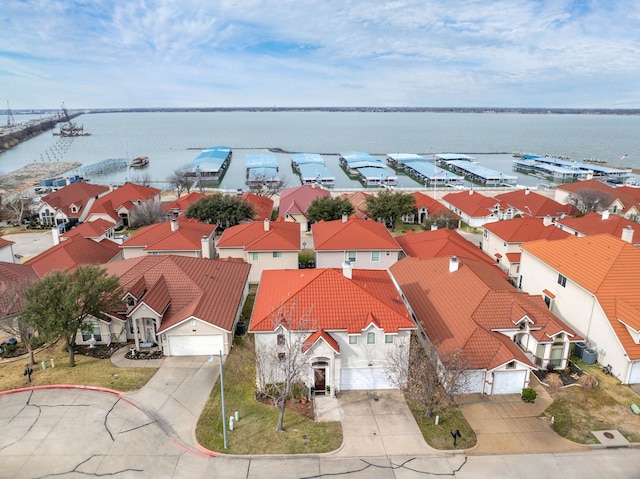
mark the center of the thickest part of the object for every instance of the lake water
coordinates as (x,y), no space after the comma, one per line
(172,140)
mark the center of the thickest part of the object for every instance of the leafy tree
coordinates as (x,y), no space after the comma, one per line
(388,206)
(328,209)
(425,375)
(590,200)
(58,305)
(222,210)
(180,181)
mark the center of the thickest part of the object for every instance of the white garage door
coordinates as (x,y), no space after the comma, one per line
(369,378)
(205,345)
(508,382)
(634,377)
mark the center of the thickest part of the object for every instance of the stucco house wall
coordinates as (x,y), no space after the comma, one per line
(335,259)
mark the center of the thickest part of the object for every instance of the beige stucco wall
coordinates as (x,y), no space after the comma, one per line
(266,261)
(334,259)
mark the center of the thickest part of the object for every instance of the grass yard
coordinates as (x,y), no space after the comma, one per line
(450,418)
(607,406)
(88,372)
(255,432)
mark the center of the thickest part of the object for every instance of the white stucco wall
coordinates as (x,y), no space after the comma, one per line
(334,259)
(266,261)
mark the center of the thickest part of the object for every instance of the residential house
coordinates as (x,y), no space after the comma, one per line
(465,306)
(366,244)
(181,205)
(6,251)
(183,306)
(441,242)
(265,245)
(473,208)
(117,205)
(69,205)
(94,230)
(591,283)
(14,280)
(348,321)
(262,205)
(429,208)
(527,203)
(358,200)
(71,253)
(294,203)
(177,237)
(624,200)
(501,240)
(595,223)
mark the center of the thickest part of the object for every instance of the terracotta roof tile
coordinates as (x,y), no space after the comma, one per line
(626,195)
(433,206)
(353,235)
(280,236)
(157,297)
(329,301)
(297,200)
(13,279)
(318,335)
(595,223)
(533,204)
(521,230)
(122,196)
(78,194)
(91,229)
(472,203)
(262,205)
(358,200)
(183,203)
(160,237)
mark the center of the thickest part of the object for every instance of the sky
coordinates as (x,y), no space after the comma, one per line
(326,53)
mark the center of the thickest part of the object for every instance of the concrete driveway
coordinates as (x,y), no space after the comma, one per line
(505,424)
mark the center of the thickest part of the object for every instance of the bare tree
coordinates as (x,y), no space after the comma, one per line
(590,200)
(263,187)
(180,181)
(143,179)
(425,375)
(146,213)
(444,219)
(11,302)
(282,365)
(15,206)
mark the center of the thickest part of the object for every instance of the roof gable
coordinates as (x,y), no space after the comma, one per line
(297,200)
(353,234)
(521,230)
(472,203)
(262,236)
(534,204)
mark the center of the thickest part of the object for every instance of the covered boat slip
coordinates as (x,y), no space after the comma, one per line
(371,176)
(424,170)
(210,163)
(311,169)
(481,174)
(371,171)
(555,173)
(581,170)
(262,168)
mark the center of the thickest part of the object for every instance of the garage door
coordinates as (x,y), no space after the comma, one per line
(473,382)
(634,377)
(508,382)
(369,378)
(205,345)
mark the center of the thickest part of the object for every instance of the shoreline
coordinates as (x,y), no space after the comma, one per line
(31,174)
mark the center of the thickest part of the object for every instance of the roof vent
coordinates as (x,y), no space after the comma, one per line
(605,214)
(453,264)
(266,224)
(345,217)
(347,269)
(627,234)
(174,225)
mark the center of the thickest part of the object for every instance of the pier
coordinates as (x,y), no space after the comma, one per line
(12,135)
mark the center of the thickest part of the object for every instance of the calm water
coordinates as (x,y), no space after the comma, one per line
(172,140)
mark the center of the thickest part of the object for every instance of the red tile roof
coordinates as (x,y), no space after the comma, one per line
(441,242)
(262,205)
(160,237)
(521,230)
(327,300)
(297,200)
(124,196)
(533,204)
(594,223)
(205,289)
(73,252)
(281,236)
(434,207)
(78,194)
(471,203)
(467,322)
(612,275)
(14,279)
(352,235)
(5,242)
(90,229)
(625,194)
(318,335)
(183,203)
(358,200)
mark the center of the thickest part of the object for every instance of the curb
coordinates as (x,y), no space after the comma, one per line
(64,386)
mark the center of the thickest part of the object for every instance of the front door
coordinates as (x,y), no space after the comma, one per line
(319,377)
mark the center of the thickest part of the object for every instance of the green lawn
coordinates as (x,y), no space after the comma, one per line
(439,436)
(255,432)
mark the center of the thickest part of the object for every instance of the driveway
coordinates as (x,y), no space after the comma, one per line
(505,424)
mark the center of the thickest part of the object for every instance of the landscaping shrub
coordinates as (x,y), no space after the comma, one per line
(529,395)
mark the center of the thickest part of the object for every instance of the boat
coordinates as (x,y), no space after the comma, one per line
(139,162)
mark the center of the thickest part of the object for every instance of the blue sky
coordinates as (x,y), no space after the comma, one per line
(225,53)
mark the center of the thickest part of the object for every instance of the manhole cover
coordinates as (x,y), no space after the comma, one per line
(608,435)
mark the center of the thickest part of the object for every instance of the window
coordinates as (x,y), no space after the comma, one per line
(485,234)
(520,282)
(281,356)
(351,256)
(254,256)
(353,339)
(375,256)
(277,254)
(511,365)
(371,338)
(547,301)
(562,280)
(388,338)
(91,329)
(280,340)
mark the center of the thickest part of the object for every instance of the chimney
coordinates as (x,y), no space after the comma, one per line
(627,234)
(434,226)
(266,224)
(470,191)
(527,191)
(55,232)
(547,220)
(605,215)
(174,225)
(347,269)
(453,264)
(345,217)
(206,248)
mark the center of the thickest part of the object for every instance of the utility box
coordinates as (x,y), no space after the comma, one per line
(589,356)
(579,348)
